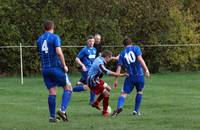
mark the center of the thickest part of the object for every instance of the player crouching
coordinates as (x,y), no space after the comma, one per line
(97,85)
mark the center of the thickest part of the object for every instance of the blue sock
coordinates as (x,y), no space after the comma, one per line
(65,100)
(92,97)
(138,100)
(121,101)
(78,88)
(52,105)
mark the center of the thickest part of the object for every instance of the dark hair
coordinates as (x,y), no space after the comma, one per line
(106,53)
(90,37)
(127,41)
(48,25)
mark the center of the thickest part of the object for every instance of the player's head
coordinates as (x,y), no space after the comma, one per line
(107,55)
(90,41)
(49,25)
(97,38)
(127,41)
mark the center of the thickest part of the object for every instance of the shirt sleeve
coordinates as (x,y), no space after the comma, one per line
(104,69)
(57,41)
(138,51)
(81,54)
(120,61)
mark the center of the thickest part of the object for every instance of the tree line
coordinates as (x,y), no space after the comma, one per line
(152,22)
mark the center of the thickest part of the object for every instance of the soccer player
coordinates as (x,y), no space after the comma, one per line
(54,70)
(131,58)
(97,85)
(85,59)
(97,44)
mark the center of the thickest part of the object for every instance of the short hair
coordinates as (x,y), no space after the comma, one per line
(106,53)
(127,41)
(48,25)
(90,37)
(97,35)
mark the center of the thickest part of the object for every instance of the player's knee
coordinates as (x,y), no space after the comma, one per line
(139,92)
(68,87)
(108,88)
(124,94)
(52,91)
(106,93)
(85,87)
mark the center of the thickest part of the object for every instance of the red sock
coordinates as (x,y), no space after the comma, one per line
(100,98)
(105,104)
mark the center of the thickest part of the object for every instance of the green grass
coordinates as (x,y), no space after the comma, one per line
(171,102)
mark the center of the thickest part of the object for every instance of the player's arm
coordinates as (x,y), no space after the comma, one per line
(109,72)
(117,71)
(78,61)
(115,57)
(142,62)
(61,57)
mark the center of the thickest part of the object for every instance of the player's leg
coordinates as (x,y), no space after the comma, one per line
(51,86)
(62,79)
(92,97)
(101,96)
(81,83)
(52,104)
(106,95)
(126,89)
(96,104)
(66,97)
(80,88)
(138,98)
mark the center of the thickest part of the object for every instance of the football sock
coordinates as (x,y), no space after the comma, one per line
(52,105)
(65,100)
(78,88)
(138,100)
(100,98)
(105,103)
(121,101)
(92,97)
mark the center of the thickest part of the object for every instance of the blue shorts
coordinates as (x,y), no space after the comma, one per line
(84,75)
(55,77)
(131,82)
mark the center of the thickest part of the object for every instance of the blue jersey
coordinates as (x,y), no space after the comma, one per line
(47,44)
(98,68)
(87,56)
(128,59)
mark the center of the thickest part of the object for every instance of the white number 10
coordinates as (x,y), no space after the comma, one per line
(130,57)
(44,46)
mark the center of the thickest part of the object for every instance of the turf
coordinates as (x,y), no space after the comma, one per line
(171,101)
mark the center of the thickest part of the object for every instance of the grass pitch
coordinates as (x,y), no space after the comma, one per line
(171,101)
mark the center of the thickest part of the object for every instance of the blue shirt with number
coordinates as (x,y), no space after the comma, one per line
(128,59)
(87,56)
(47,44)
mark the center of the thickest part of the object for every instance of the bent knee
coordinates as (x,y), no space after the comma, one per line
(106,93)
(139,92)
(68,87)
(123,94)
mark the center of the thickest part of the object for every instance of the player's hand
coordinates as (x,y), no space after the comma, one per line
(147,73)
(65,69)
(115,84)
(124,74)
(84,68)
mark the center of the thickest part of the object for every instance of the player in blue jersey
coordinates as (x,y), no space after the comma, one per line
(95,82)
(85,59)
(54,70)
(131,59)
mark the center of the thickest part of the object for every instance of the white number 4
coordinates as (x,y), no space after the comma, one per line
(130,57)
(44,46)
